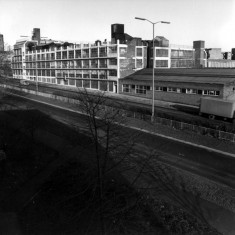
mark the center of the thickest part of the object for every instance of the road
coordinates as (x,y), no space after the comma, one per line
(181,157)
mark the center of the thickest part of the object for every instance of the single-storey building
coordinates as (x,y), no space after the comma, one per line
(185,86)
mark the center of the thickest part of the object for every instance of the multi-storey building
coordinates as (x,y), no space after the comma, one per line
(96,65)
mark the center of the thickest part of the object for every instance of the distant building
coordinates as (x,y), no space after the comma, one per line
(212,57)
(1,43)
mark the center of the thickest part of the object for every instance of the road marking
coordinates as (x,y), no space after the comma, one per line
(135,128)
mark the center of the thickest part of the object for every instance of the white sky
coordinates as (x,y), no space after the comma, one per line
(88,20)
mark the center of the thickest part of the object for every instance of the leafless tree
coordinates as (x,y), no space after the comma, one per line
(107,132)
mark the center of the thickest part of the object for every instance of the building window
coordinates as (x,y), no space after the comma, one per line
(161,53)
(103,51)
(94,52)
(79,83)
(113,61)
(85,53)
(103,63)
(86,64)
(211,93)
(126,88)
(173,89)
(78,53)
(94,63)
(158,88)
(71,54)
(161,63)
(52,56)
(64,55)
(141,89)
(191,91)
(94,84)
(58,55)
(139,52)
(113,73)
(78,63)
(122,51)
(71,82)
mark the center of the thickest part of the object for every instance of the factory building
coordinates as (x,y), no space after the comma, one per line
(96,65)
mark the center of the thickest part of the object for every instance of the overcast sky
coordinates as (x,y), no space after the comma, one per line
(88,20)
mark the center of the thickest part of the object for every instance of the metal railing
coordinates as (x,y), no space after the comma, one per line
(223,135)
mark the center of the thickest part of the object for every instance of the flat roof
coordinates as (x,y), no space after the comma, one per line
(212,76)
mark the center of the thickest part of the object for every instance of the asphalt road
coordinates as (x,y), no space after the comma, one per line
(214,165)
(198,161)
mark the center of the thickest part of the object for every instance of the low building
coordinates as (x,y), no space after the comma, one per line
(185,86)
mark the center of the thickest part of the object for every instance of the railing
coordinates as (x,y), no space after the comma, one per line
(184,126)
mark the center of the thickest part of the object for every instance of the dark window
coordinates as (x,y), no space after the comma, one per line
(94,84)
(199,92)
(79,83)
(138,51)
(164,89)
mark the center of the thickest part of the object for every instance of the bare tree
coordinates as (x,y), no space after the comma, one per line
(111,142)
(114,149)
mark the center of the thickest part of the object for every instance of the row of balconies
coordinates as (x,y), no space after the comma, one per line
(30,66)
(74,74)
(85,56)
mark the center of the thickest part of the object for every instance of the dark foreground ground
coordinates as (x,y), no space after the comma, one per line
(48,186)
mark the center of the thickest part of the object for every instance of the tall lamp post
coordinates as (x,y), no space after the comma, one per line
(36,70)
(153,90)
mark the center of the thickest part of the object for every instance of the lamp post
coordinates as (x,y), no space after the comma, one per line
(36,78)
(153,90)
(36,70)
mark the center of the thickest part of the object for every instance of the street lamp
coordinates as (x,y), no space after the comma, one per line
(153,90)
(36,70)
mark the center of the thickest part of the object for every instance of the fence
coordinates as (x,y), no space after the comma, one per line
(185,126)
